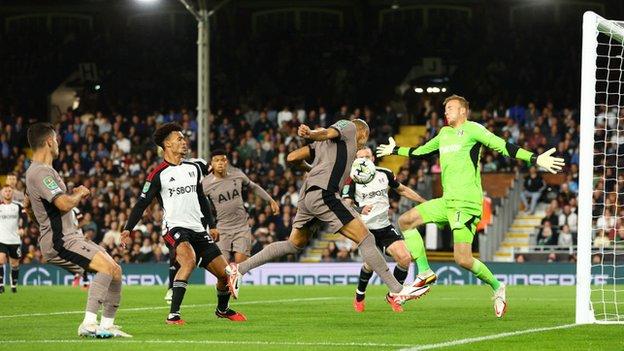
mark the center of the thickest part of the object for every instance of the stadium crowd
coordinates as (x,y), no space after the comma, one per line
(112,154)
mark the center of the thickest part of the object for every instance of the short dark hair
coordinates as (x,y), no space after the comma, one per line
(163,132)
(217,152)
(38,133)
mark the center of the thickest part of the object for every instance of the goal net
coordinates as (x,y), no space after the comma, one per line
(600,265)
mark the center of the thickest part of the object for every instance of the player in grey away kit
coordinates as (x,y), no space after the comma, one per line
(224,187)
(332,151)
(61,242)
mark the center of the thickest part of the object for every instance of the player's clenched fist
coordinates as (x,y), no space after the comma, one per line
(83,191)
(304,131)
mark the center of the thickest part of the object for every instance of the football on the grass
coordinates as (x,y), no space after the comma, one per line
(363,170)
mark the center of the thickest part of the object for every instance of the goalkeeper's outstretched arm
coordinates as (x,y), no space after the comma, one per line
(429,148)
(490,140)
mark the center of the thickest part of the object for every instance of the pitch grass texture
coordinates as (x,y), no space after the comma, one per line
(307,318)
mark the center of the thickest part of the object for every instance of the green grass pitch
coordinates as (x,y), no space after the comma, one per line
(308,318)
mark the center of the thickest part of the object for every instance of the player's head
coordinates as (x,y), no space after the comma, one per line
(42,137)
(169,136)
(7,192)
(366,152)
(456,109)
(219,161)
(362,132)
(11,180)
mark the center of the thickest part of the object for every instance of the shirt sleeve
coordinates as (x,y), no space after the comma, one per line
(45,185)
(480,134)
(392,182)
(257,189)
(150,190)
(431,147)
(346,129)
(348,190)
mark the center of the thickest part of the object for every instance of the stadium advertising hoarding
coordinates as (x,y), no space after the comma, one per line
(324,274)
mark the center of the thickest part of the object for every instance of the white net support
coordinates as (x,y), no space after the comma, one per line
(600,267)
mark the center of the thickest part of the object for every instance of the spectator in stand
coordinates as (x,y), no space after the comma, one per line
(566,238)
(534,186)
(547,235)
(569,218)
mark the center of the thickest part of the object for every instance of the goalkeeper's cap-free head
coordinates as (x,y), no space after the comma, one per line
(462,101)
(162,133)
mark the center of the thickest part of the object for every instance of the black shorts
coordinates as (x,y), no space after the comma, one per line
(384,237)
(13,251)
(205,248)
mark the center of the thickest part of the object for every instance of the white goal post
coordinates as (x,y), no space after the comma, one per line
(600,265)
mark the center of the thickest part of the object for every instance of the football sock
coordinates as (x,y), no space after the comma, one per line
(179,289)
(98,292)
(416,247)
(1,275)
(223,298)
(365,276)
(111,304)
(373,258)
(85,278)
(269,253)
(400,273)
(14,276)
(481,271)
(173,269)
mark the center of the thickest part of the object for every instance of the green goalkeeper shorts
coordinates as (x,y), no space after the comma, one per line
(461,216)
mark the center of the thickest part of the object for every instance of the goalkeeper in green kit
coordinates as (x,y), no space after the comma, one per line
(459,145)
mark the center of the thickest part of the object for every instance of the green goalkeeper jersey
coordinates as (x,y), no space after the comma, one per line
(460,150)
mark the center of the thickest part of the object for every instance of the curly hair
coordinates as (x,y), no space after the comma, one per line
(163,132)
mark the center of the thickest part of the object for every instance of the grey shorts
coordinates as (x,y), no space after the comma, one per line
(239,241)
(320,205)
(69,251)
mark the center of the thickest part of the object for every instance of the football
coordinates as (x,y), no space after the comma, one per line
(363,170)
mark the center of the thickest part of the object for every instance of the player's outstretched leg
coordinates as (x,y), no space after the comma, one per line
(365,274)
(111,305)
(463,257)
(401,255)
(408,222)
(296,241)
(217,267)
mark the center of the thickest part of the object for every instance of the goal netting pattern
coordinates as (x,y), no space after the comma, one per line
(600,268)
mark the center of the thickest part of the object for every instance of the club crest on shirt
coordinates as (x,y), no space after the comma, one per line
(460,133)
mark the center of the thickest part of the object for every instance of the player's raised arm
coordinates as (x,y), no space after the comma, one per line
(422,151)
(490,140)
(318,134)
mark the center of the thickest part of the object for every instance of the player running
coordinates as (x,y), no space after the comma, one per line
(12,222)
(62,243)
(175,183)
(372,202)
(459,145)
(224,187)
(333,151)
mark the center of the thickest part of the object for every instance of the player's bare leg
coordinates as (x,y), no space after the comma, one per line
(3,260)
(14,262)
(297,240)
(409,223)
(357,231)
(185,256)
(217,268)
(462,252)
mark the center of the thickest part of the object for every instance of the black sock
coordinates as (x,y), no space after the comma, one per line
(14,276)
(173,269)
(179,288)
(223,298)
(400,273)
(365,276)
(2,275)
(85,277)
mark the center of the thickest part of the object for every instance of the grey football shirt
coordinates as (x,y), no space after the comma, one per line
(226,195)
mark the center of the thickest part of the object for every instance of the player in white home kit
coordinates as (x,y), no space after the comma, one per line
(176,184)
(371,200)
(12,221)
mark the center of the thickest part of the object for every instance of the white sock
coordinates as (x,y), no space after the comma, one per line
(107,322)
(90,318)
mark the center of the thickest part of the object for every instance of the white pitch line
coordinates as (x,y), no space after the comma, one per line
(207,342)
(310,299)
(484,338)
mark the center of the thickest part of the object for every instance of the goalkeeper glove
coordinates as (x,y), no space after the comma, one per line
(386,149)
(549,163)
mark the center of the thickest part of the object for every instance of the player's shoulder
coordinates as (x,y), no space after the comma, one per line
(385,171)
(474,126)
(157,171)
